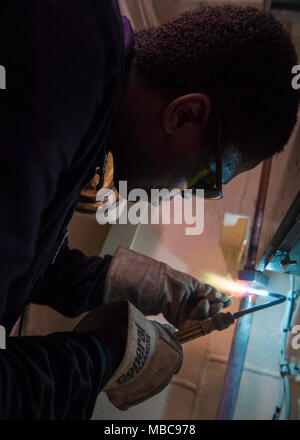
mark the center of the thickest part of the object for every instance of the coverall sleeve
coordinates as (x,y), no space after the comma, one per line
(56,377)
(74,283)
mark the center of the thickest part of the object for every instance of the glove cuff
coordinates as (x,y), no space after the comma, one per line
(152,356)
(135,277)
(141,344)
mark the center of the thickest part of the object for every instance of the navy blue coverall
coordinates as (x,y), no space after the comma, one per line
(65,61)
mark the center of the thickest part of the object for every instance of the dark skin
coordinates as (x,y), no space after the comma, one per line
(161,142)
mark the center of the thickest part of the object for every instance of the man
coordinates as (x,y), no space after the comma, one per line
(79,83)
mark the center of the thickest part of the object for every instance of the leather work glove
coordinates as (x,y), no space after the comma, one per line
(152,355)
(154,287)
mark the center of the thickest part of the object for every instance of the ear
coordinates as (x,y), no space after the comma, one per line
(194,108)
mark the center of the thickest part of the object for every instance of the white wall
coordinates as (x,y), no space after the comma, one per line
(261,383)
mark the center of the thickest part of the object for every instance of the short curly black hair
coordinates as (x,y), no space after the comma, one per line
(242,57)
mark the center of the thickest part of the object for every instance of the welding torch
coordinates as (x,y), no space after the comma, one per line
(221,321)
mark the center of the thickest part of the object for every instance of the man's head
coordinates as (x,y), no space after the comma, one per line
(232,61)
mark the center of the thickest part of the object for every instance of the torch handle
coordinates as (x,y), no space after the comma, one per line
(201,329)
(220,321)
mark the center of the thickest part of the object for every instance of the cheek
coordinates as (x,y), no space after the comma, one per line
(164,162)
(153,154)
(192,164)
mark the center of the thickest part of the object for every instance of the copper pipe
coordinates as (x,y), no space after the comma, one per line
(239,345)
(259,214)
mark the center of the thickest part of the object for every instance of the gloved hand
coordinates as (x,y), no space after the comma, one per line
(154,287)
(152,354)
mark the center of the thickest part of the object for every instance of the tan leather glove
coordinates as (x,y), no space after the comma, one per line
(155,287)
(152,354)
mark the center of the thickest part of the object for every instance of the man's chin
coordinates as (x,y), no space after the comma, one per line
(125,186)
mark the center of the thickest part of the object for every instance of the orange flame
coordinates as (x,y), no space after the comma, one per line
(229,286)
